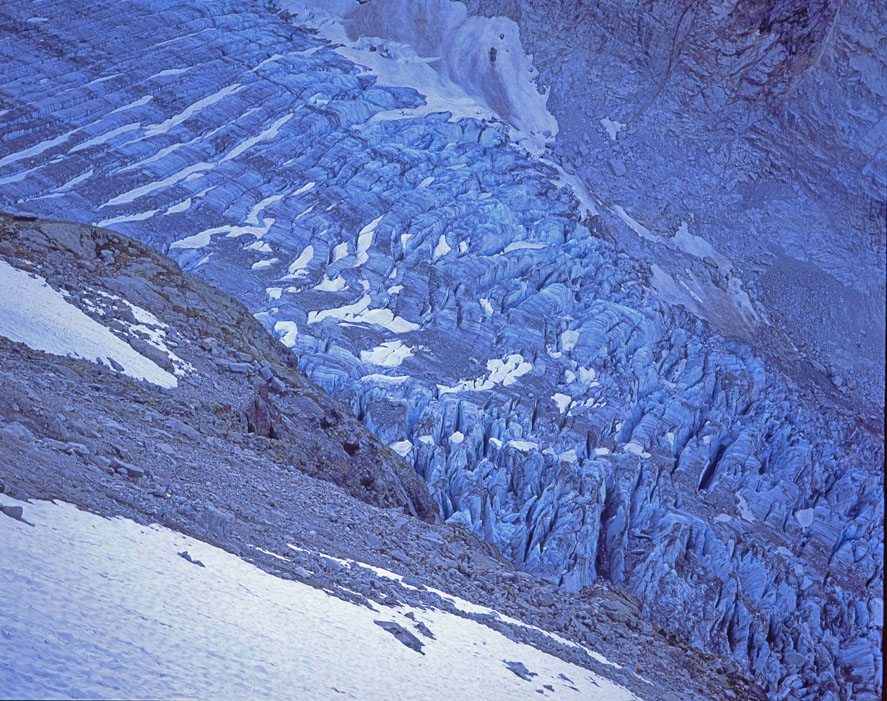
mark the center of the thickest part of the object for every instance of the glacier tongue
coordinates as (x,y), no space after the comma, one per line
(682,463)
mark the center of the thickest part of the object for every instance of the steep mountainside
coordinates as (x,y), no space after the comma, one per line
(186,445)
(593,398)
(762,126)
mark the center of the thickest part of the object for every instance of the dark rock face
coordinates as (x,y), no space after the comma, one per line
(258,415)
(530,357)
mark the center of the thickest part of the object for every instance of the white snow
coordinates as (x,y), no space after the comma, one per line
(562,401)
(106,608)
(298,267)
(478,385)
(744,511)
(340,251)
(168,181)
(523,445)
(633,224)
(443,53)
(442,247)
(521,245)
(388,355)
(360,313)
(33,313)
(636,449)
(35,150)
(613,127)
(385,379)
(804,517)
(485,303)
(269,133)
(305,211)
(505,372)
(170,71)
(191,110)
(140,216)
(265,263)
(464,605)
(287,331)
(508,371)
(182,206)
(569,339)
(364,240)
(274,292)
(75,181)
(326,285)
(259,246)
(107,136)
(457,437)
(402,448)
(698,247)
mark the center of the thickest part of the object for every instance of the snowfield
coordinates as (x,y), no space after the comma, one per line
(33,313)
(115,612)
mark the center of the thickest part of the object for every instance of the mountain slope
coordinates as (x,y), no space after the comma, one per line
(85,432)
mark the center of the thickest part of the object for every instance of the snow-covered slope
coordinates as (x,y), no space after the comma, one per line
(119,614)
(33,313)
(449,285)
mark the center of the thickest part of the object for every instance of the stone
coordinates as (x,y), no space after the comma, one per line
(259,416)
(618,167)
(77,449)
(15,512)
(183,429)
(186,556)
(216,522)
(18,432)
(520,669)
(402,634)
(127,468)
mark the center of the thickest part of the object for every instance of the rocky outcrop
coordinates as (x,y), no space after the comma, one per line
(515,339)
(222,359)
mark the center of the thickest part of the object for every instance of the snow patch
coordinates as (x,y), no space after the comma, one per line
(388,355)
(360,313)
(612,127)
(49,323)
(287,332)
(87,591)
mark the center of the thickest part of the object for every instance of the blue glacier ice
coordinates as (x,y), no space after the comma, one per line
(446,276)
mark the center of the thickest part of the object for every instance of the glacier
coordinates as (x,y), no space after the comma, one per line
(441,271)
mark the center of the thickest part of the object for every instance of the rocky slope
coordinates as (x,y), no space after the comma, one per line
(534,350)
(189,457)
